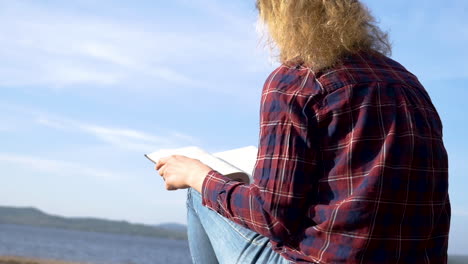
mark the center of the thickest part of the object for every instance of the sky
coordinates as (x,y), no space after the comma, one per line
(87,87)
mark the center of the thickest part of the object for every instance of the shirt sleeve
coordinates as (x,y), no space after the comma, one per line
(275,204)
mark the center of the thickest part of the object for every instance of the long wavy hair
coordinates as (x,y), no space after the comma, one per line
(318,33)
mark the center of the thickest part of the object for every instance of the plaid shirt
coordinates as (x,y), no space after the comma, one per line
(351,167)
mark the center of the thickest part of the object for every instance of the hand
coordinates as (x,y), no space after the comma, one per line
(180,172)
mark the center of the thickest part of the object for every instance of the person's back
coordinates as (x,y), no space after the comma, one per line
(380,175)
(351,167)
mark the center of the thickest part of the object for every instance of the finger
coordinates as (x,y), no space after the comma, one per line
(170,187)
(162,171)
(162,162)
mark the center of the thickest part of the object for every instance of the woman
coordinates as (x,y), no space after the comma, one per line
(351,166)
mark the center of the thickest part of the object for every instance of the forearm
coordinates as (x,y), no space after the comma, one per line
(196,182)
(248,206)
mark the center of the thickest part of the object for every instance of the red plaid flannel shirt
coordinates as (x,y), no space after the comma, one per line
(351,167)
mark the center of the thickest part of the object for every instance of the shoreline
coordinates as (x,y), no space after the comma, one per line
(31,260)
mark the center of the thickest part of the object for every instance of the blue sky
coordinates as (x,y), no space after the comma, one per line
(87,87)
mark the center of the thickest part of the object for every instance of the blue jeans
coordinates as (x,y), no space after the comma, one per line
(216,239)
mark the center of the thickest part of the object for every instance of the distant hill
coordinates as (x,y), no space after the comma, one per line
(458,260)
(34,217)
(173,227)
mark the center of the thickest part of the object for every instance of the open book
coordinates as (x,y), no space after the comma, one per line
(237,164)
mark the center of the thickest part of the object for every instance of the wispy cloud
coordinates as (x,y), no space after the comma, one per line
(123,138)
(21,118)
(212,7)
(60,50)
(53,48)
(56,166)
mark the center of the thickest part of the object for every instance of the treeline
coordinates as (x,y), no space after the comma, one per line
(35,217)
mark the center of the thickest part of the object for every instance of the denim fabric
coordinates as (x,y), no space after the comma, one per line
(216,239)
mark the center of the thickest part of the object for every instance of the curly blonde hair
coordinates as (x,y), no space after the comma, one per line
(318,33)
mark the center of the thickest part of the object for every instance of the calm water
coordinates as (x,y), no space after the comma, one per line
(90,247)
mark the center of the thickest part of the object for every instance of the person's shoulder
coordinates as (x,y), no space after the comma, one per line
(366,67)
(287,78)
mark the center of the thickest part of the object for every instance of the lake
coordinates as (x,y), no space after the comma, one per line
(99,248)
(90,247)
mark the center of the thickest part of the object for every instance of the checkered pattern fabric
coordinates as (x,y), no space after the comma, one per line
(351,167)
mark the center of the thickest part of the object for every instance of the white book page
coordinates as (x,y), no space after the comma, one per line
(242,158)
